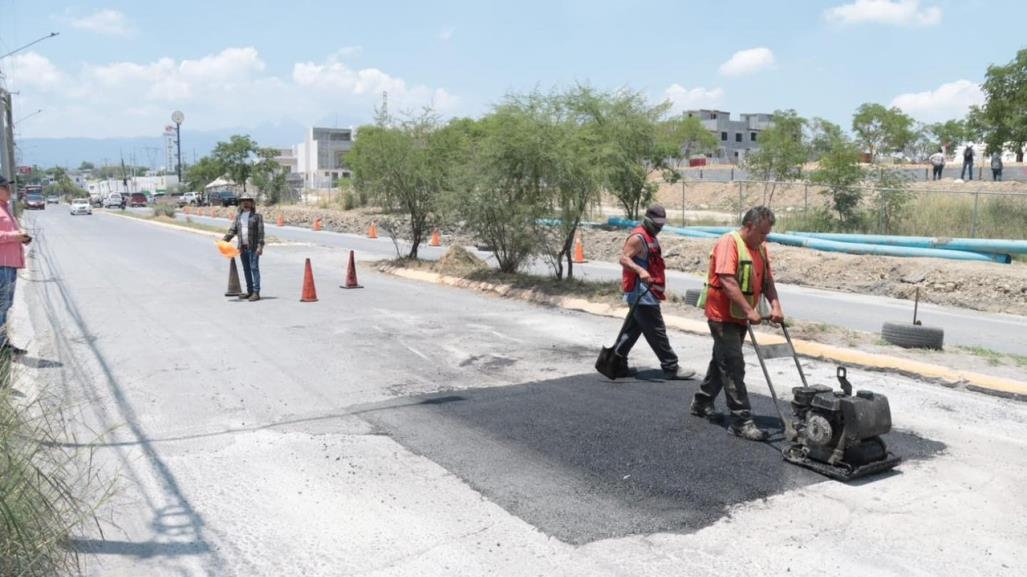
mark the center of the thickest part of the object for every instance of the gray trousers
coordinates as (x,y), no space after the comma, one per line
(727,371)
(647,320)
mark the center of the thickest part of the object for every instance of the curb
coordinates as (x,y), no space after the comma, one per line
(166,225)
(977,382)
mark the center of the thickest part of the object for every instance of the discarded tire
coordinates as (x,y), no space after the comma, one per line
(692,297)
(912,336)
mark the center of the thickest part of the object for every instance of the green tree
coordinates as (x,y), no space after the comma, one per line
(202,173)
(949,134)
(839,171)
(86,165)
(1003,118)
(690,132)
(782,152)
(820,134)
(881,129)
(406,165)
(269,175)
(236,158)
(638,140)
(499,191)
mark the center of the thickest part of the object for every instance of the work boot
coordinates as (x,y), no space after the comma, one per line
(245,296)
(748,430)
(701,409)
(254,297)
(678,373)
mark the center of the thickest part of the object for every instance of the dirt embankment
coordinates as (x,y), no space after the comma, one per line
(972,285)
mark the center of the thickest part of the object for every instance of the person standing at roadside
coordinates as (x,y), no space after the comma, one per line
(739,275)
(12,257)
(968,162)
(937,164)
(249,226)
(643,281)
(996,166)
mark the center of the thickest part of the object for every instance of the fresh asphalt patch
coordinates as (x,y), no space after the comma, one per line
(583,458)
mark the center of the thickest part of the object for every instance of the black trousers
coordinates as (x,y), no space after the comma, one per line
(727,371)
(648,320)
(937,171)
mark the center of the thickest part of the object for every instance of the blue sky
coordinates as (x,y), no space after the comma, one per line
(119,68)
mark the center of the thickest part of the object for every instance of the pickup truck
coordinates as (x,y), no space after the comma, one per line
(223,198)
(189,199)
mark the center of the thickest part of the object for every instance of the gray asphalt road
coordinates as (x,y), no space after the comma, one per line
(287,438)
(968,328)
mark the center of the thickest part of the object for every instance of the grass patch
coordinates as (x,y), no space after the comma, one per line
(49,486)
(996,358)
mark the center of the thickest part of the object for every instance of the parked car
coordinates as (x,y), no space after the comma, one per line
(53,199)
(35,202)
(137,199)
(81,206)
(224,198)
(189,199)
(114,200)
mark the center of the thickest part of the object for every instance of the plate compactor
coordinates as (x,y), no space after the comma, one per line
(834,433)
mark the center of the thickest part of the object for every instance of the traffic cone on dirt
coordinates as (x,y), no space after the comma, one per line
(280,221)
(317,224)
(436,240)
(234,289)
(351,274)
(579,251)
(309,292)
(372,232)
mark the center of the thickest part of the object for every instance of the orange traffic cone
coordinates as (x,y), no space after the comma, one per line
(579,251)
(281,220)
(234,289)
(372,232)
(309,292)
(317,224)
(436,240)
(351,274)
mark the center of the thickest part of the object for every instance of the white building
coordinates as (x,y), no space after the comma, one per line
(145,184)
(320,158)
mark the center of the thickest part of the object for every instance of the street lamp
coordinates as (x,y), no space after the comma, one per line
(26,117)
(177,117)
(36,41)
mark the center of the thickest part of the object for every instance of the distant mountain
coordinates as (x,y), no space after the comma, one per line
(148,151)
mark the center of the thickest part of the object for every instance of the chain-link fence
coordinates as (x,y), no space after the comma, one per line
(952,170)
(878,210)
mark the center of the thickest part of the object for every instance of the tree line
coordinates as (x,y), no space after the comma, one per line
(523,176)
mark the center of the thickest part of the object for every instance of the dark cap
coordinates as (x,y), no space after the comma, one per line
(4,181)
(657,214)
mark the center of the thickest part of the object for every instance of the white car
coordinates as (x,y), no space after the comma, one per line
(81,206)
(114,200)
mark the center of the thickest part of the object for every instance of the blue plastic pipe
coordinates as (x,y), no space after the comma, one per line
(884,250)
(680,231)
(971,244)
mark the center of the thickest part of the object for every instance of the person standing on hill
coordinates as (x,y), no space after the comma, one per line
(996,166)
(968,162)
(937,164)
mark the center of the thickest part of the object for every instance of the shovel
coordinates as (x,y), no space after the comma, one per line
(609,359)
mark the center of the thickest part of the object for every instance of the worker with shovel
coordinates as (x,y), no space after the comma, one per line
(249,227)
(739,275)
(643,283)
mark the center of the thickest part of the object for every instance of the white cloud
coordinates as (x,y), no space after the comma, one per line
(333,75)
(447,34)
(109,22)
(682,98)
(891,12)
(227,89)
(31,70)
(950,100)
(748,61)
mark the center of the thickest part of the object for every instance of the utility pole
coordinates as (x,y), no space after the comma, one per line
(177,117)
